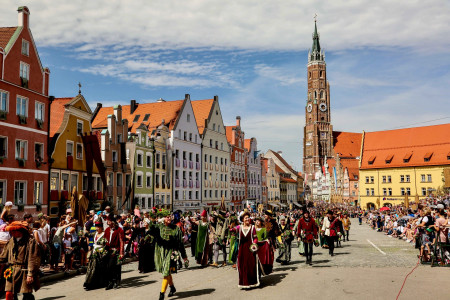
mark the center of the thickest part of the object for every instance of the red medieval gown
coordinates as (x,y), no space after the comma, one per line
(247,263)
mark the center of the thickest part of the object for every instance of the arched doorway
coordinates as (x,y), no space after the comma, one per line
(370,206)
(387,204)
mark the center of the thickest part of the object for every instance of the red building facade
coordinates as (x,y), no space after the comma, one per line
(235,137)
(24,119)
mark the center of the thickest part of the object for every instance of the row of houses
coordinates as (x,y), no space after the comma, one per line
(173,154)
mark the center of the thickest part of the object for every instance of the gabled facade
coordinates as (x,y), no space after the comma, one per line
(263,181)
(139,152)
(71,154)
(185,143)
(273,183)
(113,151)
(253,170)
(238,170)
(215,152)
(24,119)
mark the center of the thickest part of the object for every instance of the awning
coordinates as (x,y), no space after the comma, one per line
(273,204)
(297,204)
(283,205)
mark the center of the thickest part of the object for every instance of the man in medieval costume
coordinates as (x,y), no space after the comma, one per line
(169,245)
(220,236)
(114,236)
(330,230)
(284,242)
(307,233)
(21,253)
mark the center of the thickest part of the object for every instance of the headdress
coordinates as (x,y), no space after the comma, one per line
(269,213)
(162,213)
(204,213)
(17,225)
(99,224)
(245,213)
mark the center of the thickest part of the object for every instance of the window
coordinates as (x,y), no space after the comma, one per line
(64,182)
(402,178)
(136,118)
(214,127)
(85,183)
(20,195)
(38,152)
(22,106)
(114,156)
(188,118)
(367,179)
(367,192)
(3,101)
(384,192)
(127,153)
(429,177)
(21,149)
(139,180)
(424,191)
(119,179)
(402,191)
(54,181)
(389,192)
(190,137)
(423,177)
(3,146)
(24,71)
(25,48)
(149,160)
(2,191)
(80,151)
(69,148)
(149,180)
(389,179)
(38,192)
(372,179)
(146,117)
(73,181)
(185,136)
(408,178)
(39,111)
(110,179)
(408,191)
(384,179)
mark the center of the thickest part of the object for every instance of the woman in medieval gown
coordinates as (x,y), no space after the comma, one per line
(247,261)
(202,243)
(233,241)
(147,249)
(265,251)
(97,261)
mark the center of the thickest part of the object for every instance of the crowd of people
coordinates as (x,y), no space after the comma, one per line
(249,241)
(426,227)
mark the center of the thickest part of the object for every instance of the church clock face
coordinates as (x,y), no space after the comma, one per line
(309,107)
(323,107)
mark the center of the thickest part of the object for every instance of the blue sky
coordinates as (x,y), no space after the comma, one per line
(387,62)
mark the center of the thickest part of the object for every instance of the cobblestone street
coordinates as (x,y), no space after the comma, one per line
(357,270)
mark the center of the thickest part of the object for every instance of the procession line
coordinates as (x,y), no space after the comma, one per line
(375,246)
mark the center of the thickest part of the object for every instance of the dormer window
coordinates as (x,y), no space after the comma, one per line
(25,48)
(427,156)
(407,157)
(136,118)
(371,160)
(389,159)
(146,117)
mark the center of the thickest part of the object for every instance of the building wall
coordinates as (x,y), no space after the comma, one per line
(273,182)
(186,139)
(254,172)
(215,160)
(161,137)
(238,167)
(10,169)
(372,180)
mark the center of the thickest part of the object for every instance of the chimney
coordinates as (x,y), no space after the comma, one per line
(133,106)
(238,121)
(187,97)
(118,113)
(160,100)
(46,81)
(216,98)
(24,16)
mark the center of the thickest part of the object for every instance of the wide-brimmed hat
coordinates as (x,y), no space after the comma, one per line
(269,213)
(17,225)
(245,213)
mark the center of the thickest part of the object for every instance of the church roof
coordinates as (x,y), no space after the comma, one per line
(409,147)
(347,144)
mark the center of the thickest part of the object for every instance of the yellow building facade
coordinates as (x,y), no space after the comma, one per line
(381,187)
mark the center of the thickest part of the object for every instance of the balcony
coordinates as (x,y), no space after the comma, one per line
(217,167)
(197,184)
(3,114)
(184,183)
(217,184)
(197,165)
(22,119)
(177,162)
(39,124)
(177,182)
(226,168)
(191,184)
(206,183)
(191,164)
(184,163)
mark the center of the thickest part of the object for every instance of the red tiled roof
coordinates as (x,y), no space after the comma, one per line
(347,144)
(158,111)
(57,113)
(278,169)
(229,131)
(247,144)
(202,108)
(265,164)
(352,166)
(410,144)
(5,35)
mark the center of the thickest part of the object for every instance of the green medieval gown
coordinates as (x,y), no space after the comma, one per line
(202,247)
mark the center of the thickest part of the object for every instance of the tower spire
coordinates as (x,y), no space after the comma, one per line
(316,53)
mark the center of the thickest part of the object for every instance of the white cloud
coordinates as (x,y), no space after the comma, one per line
(285,76)
(251,24)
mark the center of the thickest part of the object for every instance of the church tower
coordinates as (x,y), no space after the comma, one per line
(318,137)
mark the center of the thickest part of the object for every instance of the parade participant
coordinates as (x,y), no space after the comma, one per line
(220,230)
(247,263)
(95,273)
(114,236)
(307,232)
(301,248)
(21,253)
(272,228)
(203,245)
(265,252)
(346,226)
(330,230)
(194,230)
(169,242)
(147,247)
(284,242)
(233,241)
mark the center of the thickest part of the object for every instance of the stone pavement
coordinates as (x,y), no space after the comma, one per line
(357,271)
